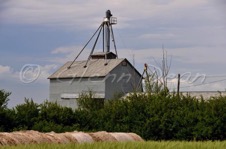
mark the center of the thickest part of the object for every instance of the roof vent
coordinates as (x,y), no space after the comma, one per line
(103,55)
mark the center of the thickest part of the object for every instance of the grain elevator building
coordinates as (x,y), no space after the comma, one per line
(104,74)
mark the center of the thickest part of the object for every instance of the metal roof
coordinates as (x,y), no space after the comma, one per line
(95,68)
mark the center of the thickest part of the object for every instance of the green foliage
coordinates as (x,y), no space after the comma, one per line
(7,120)
(153,116)
(53,117)
(6,115)
(4,99)
(166,117)
(26,114)
(87,101)
(48,126)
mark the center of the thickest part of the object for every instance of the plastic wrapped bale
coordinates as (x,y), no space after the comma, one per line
(82,137)
(102,136)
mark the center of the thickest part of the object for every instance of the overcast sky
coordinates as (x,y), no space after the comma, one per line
(39,36)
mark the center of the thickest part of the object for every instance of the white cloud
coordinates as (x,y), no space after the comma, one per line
(46,71)
(83,14)
(4,69)
(64,50)
(7,73)
(29,73)
(193,57)
(64,54)
(30,82)
(33,73)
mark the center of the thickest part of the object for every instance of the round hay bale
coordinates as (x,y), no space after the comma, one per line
(122,137)
(38,137)
(19,138)
(60,138)
(25,139)
(135,137)
(82,137)
(70,137)
(7,140)
(3,141)
(11,140)
(48,139)
(102,136)
(52,138)
(32,136)
(63,137)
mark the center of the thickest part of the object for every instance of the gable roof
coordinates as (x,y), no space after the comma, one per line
(95,68)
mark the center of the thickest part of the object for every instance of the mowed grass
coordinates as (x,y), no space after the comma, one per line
(127,145)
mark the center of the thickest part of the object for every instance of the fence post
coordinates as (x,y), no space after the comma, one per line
(178,85)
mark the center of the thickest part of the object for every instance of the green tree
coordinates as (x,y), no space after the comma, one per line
(26,114)
(53,117)
(6,115)
(4,99)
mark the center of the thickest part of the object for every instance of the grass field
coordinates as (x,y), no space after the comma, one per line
(129,145)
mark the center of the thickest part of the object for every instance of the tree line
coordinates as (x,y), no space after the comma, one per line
(152,116)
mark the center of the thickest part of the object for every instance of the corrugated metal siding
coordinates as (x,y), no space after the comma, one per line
(75,86)
(121,80)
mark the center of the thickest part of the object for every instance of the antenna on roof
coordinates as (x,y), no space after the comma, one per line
(106,28)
